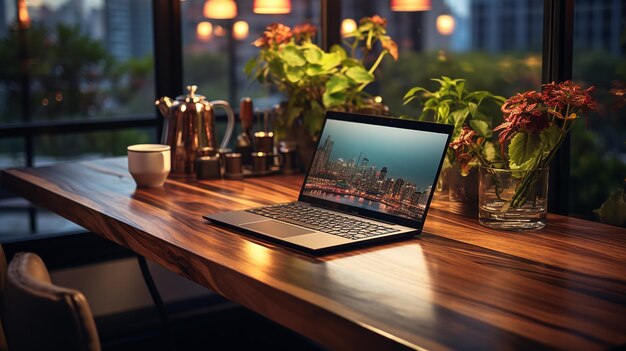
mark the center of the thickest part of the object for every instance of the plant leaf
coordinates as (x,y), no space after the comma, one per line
(292,56)
(524,147)
(250,65)
(335,99)
(460,87)
(490,151)
(549,138)
(350,62)
(443,110)
(330,60)
(313,55)
(276,67)
(412,93)
(314,70)
(359,74)
(295,74)
(481,127)
(337,49)
(457,118)
(613,211)
(337,83)
(314,118)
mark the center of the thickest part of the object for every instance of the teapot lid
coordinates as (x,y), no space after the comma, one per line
(191,96)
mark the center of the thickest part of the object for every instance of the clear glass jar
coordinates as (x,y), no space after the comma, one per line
(513,199)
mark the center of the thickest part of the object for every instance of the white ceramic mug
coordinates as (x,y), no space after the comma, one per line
(149,164)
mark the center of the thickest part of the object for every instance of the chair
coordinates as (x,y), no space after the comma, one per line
(3,276)
(43,316)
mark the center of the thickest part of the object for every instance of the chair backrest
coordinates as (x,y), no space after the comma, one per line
(42,316)
(3,279)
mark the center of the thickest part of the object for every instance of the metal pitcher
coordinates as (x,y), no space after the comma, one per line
(189,125)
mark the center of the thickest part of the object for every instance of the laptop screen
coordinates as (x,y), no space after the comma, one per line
(377,165)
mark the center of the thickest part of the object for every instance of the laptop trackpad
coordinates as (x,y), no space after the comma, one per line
(276,229)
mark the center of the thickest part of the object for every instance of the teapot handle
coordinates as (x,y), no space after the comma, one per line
(230,126)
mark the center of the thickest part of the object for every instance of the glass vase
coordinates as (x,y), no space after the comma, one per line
(513,199)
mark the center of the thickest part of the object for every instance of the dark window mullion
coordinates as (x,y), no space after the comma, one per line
(168,51)
(558,41)
(331,23)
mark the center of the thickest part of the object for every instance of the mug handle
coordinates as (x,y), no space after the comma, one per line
(230,126)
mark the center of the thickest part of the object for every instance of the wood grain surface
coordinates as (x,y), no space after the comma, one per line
(457,286)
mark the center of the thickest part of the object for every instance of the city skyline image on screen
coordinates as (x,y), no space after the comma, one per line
(384,169)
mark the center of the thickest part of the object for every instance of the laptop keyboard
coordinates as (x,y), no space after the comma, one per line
(324,221)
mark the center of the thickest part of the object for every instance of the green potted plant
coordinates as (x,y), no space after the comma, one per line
(467,110)
(315,81)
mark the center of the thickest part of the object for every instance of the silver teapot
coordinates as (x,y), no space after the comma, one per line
(189,126)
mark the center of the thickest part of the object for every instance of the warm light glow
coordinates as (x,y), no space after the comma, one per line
(348,25)
(260,259)
(219,31)
(272,7)
(445,24)
(240,30)
(204,31)
(22,14)
(410,5)
(220,9)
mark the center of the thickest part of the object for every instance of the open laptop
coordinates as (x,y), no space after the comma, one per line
(371,180)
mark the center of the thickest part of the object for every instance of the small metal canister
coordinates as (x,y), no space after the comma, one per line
(207,164)
(288,151)
(232,165)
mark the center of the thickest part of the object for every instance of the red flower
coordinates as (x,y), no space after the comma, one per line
(466,138)
(619,91)
(390,45)
(275,34)
(522,113)
(375,20)
(304,31)
(465,147)
(560,96)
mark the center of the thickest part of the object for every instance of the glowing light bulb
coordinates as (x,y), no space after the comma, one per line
(445,24)
(348,26)
(204,31)
(240,30)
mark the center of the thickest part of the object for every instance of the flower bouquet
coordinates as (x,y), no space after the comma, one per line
(514,193)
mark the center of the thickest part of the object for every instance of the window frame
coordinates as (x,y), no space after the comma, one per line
(558,27)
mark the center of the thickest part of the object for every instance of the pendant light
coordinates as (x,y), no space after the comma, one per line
(272,7)
(220,9)
(410,5)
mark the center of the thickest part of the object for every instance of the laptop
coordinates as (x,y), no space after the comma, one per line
(371,180)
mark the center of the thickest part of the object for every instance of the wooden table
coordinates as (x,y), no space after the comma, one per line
(457,286)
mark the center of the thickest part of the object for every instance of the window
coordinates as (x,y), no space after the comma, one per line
(483,41)
(598,149)
(74,76)
(215,51)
